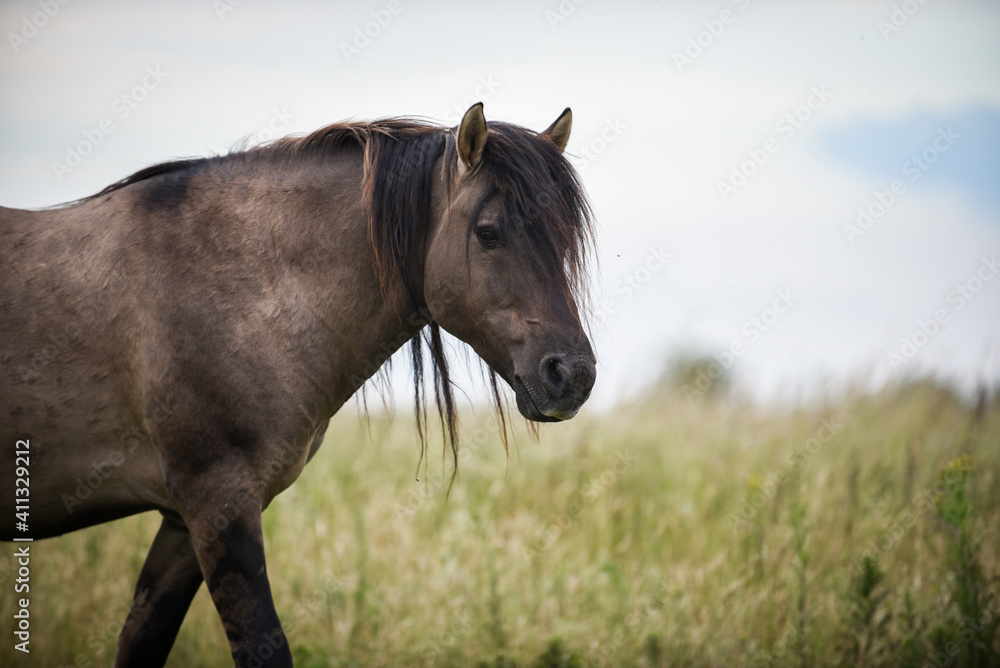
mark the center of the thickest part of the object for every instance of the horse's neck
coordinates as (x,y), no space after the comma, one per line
(322,246)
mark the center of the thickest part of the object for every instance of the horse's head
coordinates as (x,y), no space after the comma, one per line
(505,258)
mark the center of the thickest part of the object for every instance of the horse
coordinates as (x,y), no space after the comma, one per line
(179,341)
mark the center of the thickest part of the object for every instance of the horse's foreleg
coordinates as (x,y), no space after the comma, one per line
(169,580)
(230,547)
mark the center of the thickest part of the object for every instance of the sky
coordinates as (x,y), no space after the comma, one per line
(807,191)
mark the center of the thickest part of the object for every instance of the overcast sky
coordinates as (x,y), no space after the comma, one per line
(821,177)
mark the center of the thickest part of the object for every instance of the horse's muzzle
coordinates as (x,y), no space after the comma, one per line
(563,385)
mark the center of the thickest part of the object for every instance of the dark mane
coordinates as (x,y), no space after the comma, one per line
(172,168)
(545,215)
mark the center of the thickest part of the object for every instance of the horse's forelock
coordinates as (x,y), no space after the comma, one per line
(546,212)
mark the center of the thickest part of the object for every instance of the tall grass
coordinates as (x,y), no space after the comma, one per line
(665,533)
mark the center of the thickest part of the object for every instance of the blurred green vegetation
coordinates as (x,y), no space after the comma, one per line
(677,530)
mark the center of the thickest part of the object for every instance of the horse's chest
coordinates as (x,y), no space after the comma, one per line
(287,469)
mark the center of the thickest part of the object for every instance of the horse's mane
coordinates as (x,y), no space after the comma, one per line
(545,214)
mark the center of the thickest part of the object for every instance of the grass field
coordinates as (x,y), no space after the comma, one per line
(667,533)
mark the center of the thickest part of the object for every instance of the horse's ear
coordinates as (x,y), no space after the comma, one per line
(558,132)
(471,138)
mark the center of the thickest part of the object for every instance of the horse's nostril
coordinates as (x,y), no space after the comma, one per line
(555,373)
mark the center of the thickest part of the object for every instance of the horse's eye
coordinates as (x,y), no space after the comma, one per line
(488,237)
